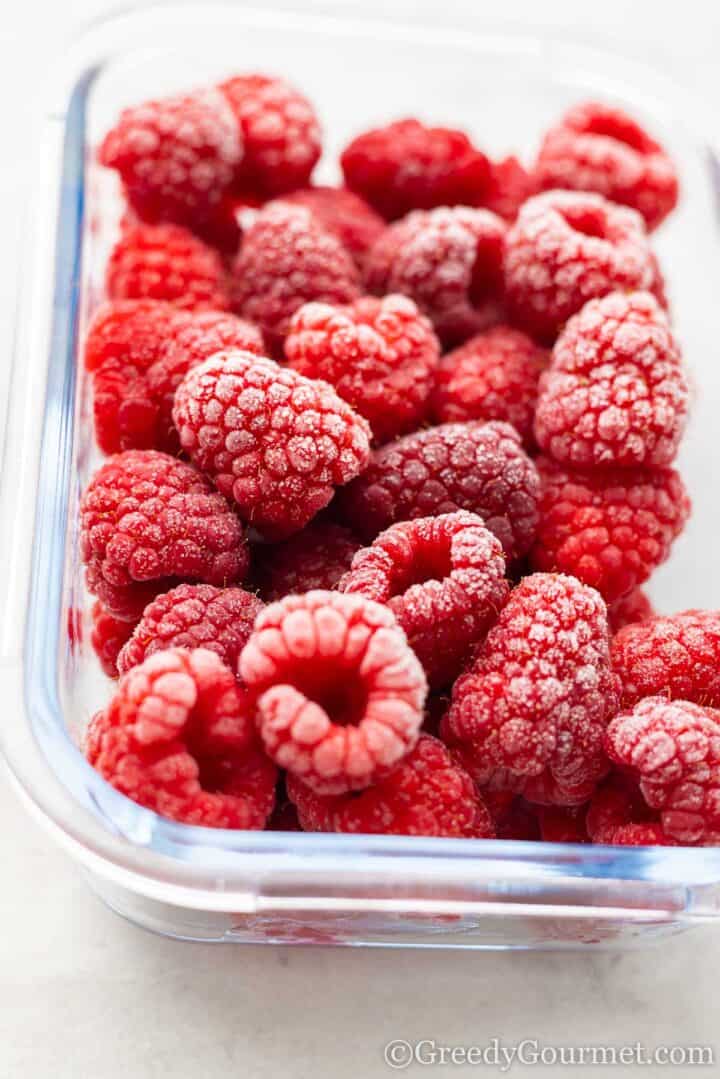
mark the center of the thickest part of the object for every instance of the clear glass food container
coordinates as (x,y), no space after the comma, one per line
(207,884)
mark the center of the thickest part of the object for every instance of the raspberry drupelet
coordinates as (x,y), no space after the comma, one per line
(630,609)
(274,442)
(618,814)
(427,794)
(379,355)
(599,148)
(108,636)
(316,557)
(615,392)
(477,467)
(343,213)
(338,692)
(568,247)
(677,657)
(444,580)
(178,738)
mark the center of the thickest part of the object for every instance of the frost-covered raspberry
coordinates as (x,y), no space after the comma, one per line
(343,213)
(177,738)
(380,356)
(316,557)
(674,657)
(630,609)
(457,466)
(611,528)
(427,794)
(618,815)
(493,376)
(338,692)
(108,636)
(273,441)
(449,261)
(444,580)
(596,147)
(568,247)
(531,712)
(615,392)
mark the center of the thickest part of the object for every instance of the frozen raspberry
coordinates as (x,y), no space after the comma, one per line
(280,133)
(449,261)
(407,166)
(177,738)
(287,259)
(339,694)
(380,355)
(175,157)
(599,148)
(317,557)
(344,214)
(493,376)
(610,528)
(427,794)
(166,262)
(275,442)
(444,580)
(458,466)
(509,186)
(673,748)
(619,815)
(194,616)
(146,518)
(566,248)
(533,708)
(108,636)
(630,609)
(562,824)
(514,817)
(674,657)
(615,392)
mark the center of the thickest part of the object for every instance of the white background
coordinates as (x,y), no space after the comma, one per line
(84,995)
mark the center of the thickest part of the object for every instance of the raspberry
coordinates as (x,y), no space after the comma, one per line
(275,442)
(598,148)
(177,738)
(194,616)
(562,824)
(317,557)
(287,259)
(449,261)
(379,355)
(610,528)
(280,132)
(533,708)
(630,609)
(444,580)
(344,214)
(458,466)
(339,694)
(615,392)
(146,518)
(673,748)
(427,794)
(108,636)
(618,815)
(166,262)
(673,657)
(514,817)
(175,157)
(566,248)
(407,166)
(509,186)
(493,376)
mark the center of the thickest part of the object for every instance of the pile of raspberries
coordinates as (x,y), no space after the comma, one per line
(388,466)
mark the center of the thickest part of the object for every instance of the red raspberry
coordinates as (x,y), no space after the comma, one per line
(444,580)
(599,148)
(427,794)
(317,557)
(344,214)
(166,262)
(194,616)
(673,657)
(339,694)
(618,815)
(145,518)
(493,376)
(532,710)
(615,392)
(175,157)
(566,248)
(514,817)
(458,466)
(108,636)
(610,528)
(178,739)
(286,260)
(280,132)
(630,609)
(379,355)
(407,166)
(275,442)
(509,186)
(449,261)
(673,748)
(562,824)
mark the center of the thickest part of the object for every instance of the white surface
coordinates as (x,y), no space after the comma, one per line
(83,994)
